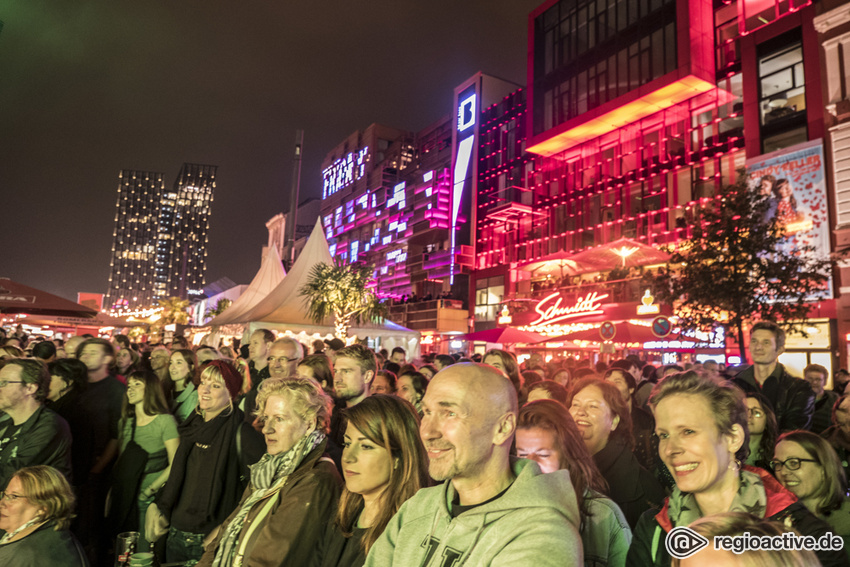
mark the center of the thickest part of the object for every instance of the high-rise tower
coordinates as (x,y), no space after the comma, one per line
(160,237)
(134,261)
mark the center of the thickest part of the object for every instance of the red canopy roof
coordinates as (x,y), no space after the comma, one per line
(19,298)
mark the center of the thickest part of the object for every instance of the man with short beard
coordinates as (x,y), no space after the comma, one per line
(494,509)
(354,369)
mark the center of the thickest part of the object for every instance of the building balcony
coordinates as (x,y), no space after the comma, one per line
(437,315)
(510,204)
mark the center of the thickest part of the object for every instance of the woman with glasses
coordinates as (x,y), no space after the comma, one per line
(761,424)
(35,514)
(701,423)
(806,465)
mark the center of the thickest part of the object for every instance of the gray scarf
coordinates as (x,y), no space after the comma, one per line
(270,472)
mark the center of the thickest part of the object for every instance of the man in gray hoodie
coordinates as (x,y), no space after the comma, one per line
(494,510)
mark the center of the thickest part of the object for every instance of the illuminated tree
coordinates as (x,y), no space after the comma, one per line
(174,311)
(738,267)
(344,291)
(220,306)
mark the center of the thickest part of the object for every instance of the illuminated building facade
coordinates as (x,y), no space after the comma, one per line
(403,202)
(133,266)
(635,113)
(160,237)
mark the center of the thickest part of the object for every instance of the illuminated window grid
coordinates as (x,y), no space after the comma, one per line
(640,182)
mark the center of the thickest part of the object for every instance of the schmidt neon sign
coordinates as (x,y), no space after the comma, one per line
(552,310)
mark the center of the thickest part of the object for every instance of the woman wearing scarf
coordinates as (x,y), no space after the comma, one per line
(294,489)
(701,423)
(210,468)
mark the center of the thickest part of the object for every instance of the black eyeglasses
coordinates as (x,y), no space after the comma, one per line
(791,464)
(4,383)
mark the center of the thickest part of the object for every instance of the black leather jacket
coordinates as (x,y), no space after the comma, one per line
(792,398)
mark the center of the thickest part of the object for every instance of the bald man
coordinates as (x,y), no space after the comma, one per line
(494,509)
(284,355)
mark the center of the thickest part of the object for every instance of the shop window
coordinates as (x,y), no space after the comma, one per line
(489,294)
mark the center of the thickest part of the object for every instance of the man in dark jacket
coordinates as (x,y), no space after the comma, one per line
(792,399)
(816,375)
(31,434)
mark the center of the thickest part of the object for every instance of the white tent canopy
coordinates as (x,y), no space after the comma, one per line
(284,309)
(271,273)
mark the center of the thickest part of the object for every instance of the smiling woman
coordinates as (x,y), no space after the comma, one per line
(701,423)
(148,440)
(210,466)
(605,425)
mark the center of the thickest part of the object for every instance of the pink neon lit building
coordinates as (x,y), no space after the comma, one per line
(635,112)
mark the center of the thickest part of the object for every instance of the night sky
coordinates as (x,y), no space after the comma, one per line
(88,88)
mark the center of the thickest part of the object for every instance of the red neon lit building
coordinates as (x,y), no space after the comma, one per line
(634,113)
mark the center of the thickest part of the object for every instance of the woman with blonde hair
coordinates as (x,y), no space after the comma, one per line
(294,489)
(384,463)
(701,424)
(35,513)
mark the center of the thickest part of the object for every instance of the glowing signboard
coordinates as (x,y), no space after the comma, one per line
(552,310)
(344,171)
(466,113)
(647,307)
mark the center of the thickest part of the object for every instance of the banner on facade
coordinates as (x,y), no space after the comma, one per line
(794,182)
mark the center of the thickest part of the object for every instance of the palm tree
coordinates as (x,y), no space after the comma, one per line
(174,311)
(219,308)
(344,291)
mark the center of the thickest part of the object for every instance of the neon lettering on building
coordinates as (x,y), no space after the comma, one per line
(551,311)
(344,171)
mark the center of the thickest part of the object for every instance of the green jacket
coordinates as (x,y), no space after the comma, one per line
(605,533)
(535,522)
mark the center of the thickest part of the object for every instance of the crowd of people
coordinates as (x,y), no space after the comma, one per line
(327,454)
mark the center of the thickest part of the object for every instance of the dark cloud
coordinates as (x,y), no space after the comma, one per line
(90,87)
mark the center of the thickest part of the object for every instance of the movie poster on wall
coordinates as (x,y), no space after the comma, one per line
(794,182)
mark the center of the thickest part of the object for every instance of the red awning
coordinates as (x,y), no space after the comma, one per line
(506,335)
